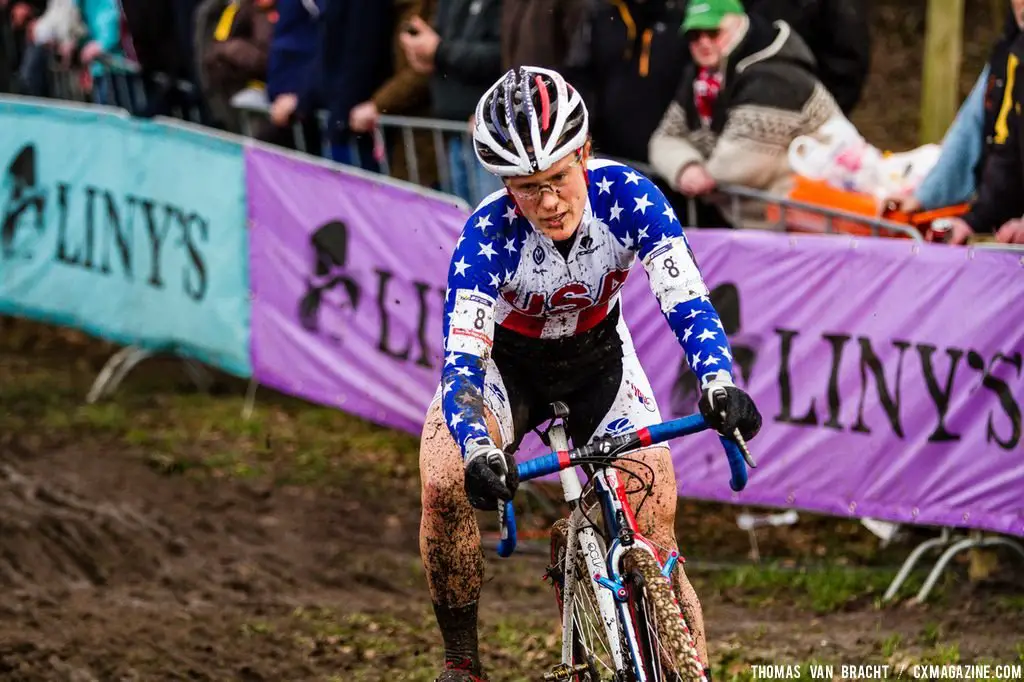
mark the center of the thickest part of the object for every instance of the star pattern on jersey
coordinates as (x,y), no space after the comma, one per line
(487,257)
(616,211)
(642,204)
(487,251)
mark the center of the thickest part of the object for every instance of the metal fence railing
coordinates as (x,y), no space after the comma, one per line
(730,196)
(123,78)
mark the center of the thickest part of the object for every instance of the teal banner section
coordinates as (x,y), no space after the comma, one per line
(131,230)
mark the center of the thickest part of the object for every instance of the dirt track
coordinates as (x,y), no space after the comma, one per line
(128,559)
(121,558)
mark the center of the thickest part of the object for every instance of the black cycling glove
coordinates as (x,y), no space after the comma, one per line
(726,408)
(486,466)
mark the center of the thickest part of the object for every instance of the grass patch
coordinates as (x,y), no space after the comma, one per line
(822,589)
(890,644)
(286,440)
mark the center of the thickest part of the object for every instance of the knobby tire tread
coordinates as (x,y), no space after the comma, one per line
(673,631)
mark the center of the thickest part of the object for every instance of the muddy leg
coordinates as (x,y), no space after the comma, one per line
(656,519)
(450,541)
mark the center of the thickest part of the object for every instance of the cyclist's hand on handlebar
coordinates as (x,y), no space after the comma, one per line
(726,408)
(491,475)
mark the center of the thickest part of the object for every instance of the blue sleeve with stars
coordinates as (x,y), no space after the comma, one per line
(479,266)
(641,218)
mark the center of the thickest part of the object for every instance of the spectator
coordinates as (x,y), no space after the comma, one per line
(462,54)
(750,92)
(16,21)
(838,35)
(161,40)
(999,205)
(969,140)
(103,42)
(238,56)
(538,32)
(292,87)
(405,93)
(154,47)
(213,22)
(60,24)
(626,60)
(355,58)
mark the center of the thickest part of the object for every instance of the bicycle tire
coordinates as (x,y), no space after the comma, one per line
(675,640)
(559,547)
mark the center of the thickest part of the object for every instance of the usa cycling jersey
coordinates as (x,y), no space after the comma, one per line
(505,272)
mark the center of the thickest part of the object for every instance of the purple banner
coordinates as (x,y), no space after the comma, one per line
(348,278)
(889,375)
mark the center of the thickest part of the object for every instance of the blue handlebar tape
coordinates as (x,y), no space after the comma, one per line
(737,465)
(507,543)
(683,426)
(542,466)
(658,433)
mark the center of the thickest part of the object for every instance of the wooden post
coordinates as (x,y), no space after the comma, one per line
(940,83)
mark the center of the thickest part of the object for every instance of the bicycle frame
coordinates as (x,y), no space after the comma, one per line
(620,522)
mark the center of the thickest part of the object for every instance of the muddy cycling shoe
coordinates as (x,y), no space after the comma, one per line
(463,671)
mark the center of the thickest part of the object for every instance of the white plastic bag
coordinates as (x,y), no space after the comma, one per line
(837,154)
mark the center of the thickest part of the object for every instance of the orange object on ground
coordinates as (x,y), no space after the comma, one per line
(820,193)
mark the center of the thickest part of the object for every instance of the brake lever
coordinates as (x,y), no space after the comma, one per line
(736,435)
(741,441)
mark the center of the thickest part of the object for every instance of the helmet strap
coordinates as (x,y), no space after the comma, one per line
(586,173)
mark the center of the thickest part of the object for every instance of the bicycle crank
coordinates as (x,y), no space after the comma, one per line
(564,672)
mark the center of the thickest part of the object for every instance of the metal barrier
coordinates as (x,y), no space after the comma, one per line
(126,82)
(121,83)
(403,128)
(406,127)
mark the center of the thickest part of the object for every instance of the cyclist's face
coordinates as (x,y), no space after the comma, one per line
(553,200)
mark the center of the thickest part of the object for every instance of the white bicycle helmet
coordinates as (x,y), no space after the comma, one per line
(527,121)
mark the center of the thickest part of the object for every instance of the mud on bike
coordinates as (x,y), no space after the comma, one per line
(621,621)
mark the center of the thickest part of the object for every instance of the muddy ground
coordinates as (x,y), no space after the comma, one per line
(161,536)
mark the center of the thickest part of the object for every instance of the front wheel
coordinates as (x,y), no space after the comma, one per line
(667,650)
(591,651)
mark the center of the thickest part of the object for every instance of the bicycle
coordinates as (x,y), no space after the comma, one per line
(614,572)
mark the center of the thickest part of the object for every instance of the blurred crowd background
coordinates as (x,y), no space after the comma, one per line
(770,94)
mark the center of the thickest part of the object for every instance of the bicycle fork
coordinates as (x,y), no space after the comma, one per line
(594,557)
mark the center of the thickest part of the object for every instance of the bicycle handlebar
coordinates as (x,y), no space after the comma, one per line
(611,447)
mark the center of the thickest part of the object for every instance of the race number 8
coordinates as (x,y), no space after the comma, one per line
(471,325)
(670,267)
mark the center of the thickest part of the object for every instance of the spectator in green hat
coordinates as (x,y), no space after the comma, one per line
(749,92)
